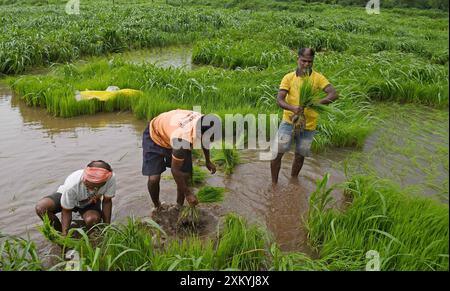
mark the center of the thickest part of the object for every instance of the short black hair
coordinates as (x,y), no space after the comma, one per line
(100,164)
(306,50)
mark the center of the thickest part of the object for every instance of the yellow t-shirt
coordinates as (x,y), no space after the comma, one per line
(291,83)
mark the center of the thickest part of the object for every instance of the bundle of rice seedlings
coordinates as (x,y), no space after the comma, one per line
(209,194)
(309,98)
(189,216)
(227,157)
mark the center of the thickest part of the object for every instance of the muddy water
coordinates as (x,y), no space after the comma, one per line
(282,207)
(410,147)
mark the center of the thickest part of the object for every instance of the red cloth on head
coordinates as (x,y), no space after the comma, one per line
(96,175)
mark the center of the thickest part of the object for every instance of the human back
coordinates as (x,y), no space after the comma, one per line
(174,124)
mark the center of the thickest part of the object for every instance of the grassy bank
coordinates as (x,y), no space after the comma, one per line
(408,232)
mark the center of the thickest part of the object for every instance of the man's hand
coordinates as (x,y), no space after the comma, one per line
(94,199)
(191,199)
(211,167)
(298,110)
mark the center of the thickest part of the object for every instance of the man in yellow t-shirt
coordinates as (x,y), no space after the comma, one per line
(289,99)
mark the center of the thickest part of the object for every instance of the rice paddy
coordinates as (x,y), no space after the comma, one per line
(209,194)
(391,73)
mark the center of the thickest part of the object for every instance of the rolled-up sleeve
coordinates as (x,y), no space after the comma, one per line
(111,187)
(285,83)
(322,82)
(68,200)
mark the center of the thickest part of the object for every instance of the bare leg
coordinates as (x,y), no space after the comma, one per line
(275,166)
(47,206)
(153,189)
(91,218)
(297,164)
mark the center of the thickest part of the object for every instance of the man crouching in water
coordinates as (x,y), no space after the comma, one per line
(167,142)
(82,192)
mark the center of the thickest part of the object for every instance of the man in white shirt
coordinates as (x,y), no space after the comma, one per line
(82,192)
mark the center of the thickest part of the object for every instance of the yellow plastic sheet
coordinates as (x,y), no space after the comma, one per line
(105,95)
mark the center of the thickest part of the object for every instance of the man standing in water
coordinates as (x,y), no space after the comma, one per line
(82,191)
(167,142)
(288,99)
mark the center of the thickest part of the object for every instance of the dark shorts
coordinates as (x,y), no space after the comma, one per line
(56,197)
(156,158)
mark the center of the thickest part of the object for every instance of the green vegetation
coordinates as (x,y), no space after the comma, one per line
(226,157)
(198,176)
(190,216)
(387,57)
(409,232)
(18,254)
(409,147)
(208,194)
(244,48)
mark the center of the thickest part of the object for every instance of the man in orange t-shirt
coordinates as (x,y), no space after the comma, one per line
(167,142)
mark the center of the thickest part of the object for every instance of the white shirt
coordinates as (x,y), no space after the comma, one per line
(75,193)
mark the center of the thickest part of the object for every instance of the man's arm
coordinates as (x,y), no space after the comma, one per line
(106,209)
(331,94)
(210,165)
(66,219)
(281,101)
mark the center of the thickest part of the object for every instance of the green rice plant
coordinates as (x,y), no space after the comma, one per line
(54,236)
(226,157)
(241,54)
(18,254)
(189,216)
(409,232)
(198,176)
(241,247)
(209,194)
(189,254)
(129,246)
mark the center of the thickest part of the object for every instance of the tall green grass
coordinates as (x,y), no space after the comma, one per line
(409,233)
(142,245)
(18,254)
(36,35)
(240,54)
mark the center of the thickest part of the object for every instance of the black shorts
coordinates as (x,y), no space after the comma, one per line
(56,197)
(156,158)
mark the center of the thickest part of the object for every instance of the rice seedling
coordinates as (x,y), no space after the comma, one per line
(231,54)
(189,216)
(241,247)
(18,254)
(227,158)
(410,233)
(198,176)
(209,194)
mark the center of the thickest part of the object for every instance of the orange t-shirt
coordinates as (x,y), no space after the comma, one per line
(174,124)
